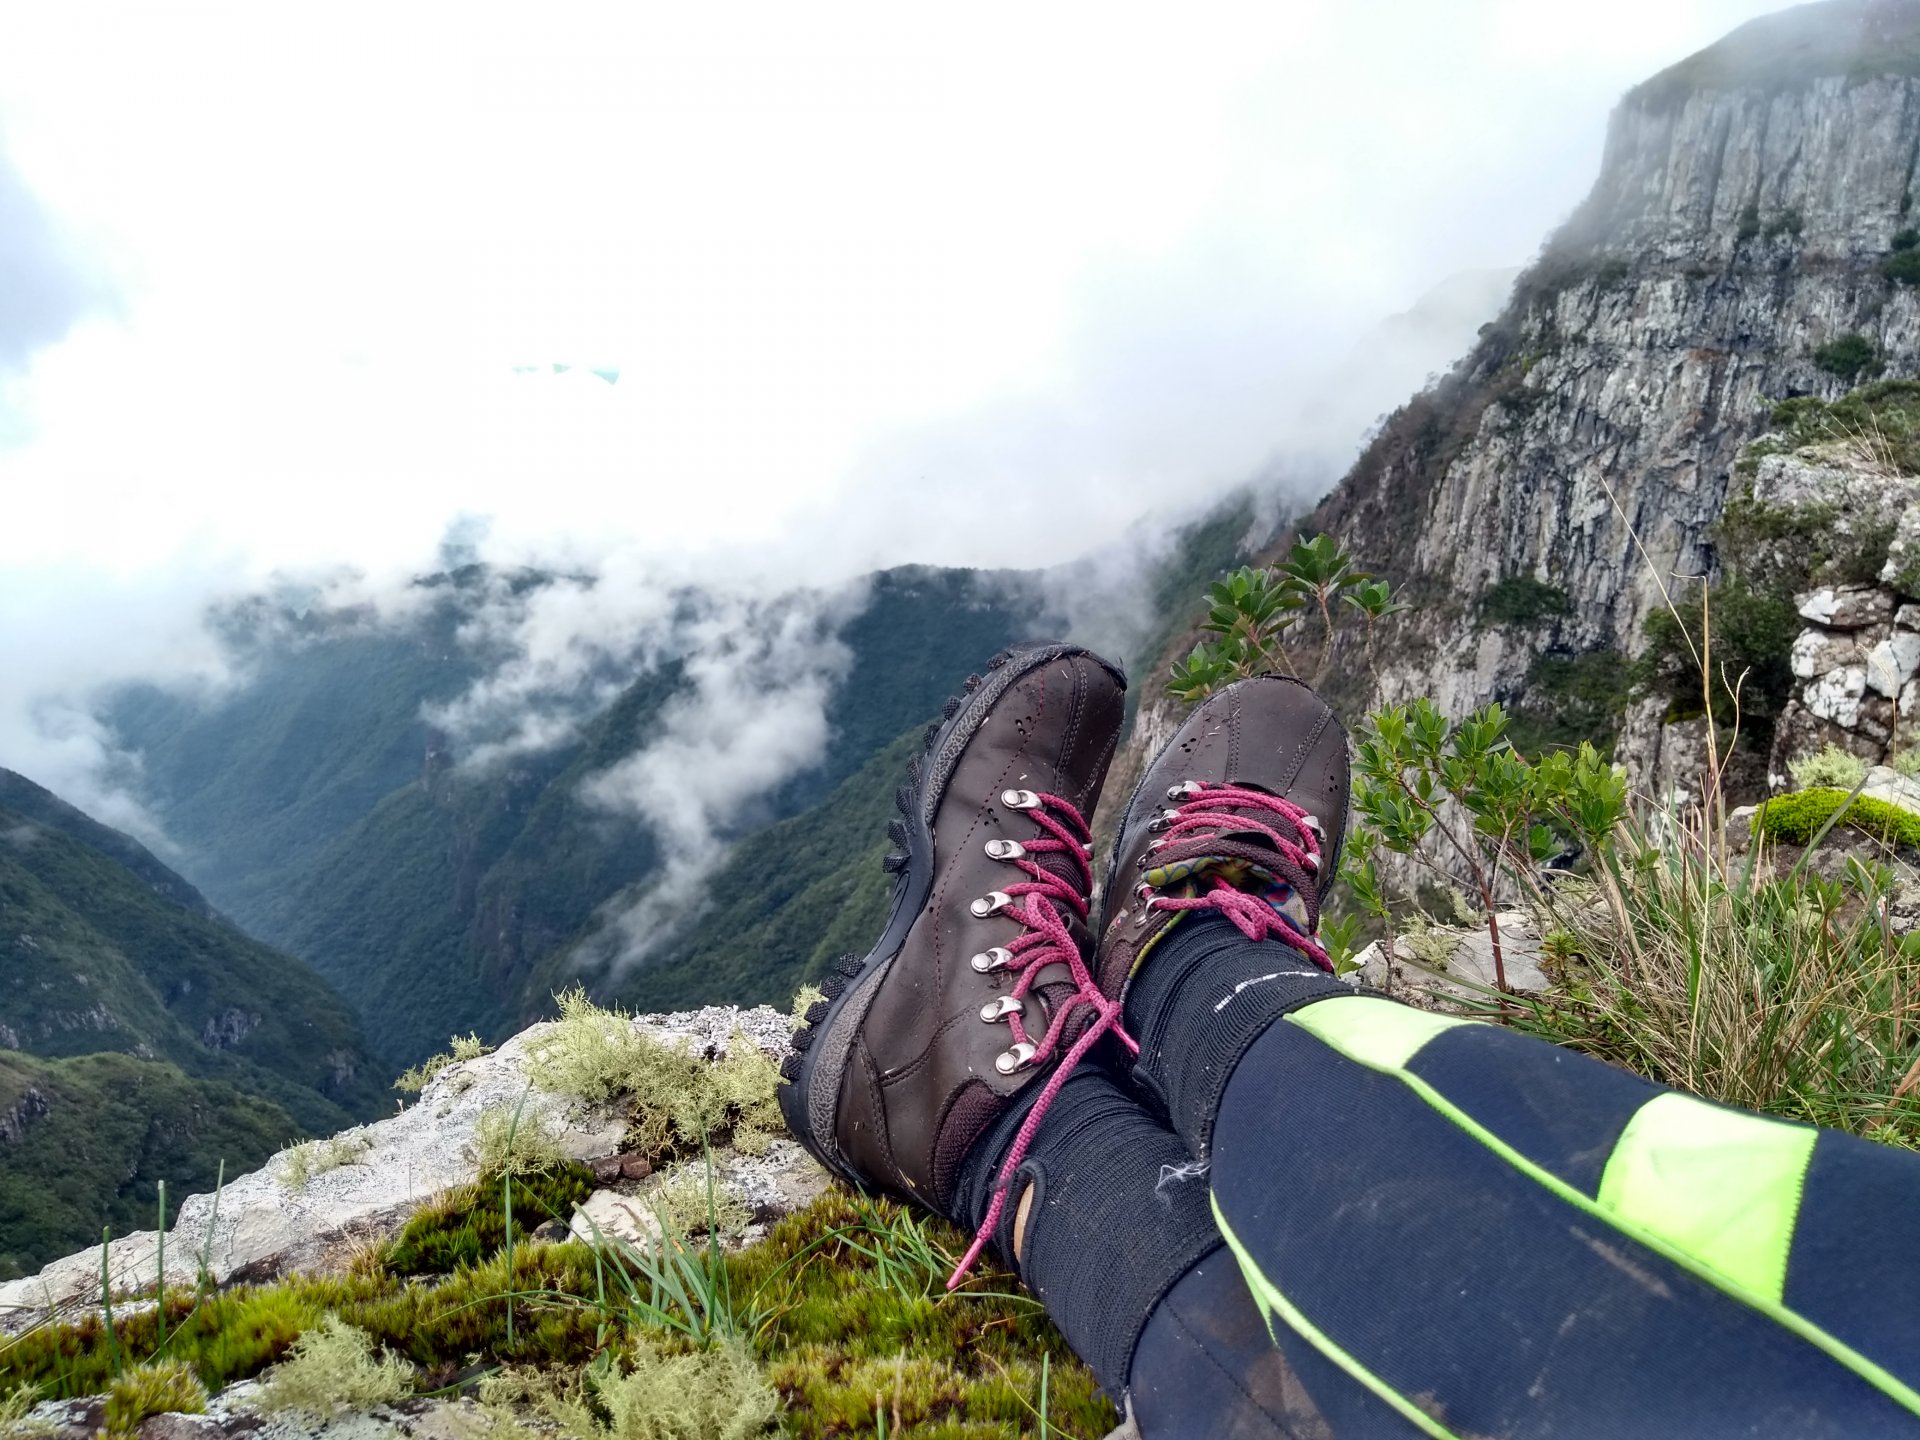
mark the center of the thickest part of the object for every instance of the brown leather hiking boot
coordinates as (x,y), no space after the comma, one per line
(979,983)
(1243,811)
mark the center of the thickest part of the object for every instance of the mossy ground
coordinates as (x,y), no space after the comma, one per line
(1798,817)
(842,1307)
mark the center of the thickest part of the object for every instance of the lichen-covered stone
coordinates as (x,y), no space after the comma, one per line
(1846,607)
(260,1226)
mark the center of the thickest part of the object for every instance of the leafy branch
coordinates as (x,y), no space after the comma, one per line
(1257,616)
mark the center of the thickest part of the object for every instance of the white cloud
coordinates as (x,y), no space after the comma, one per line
(882,285)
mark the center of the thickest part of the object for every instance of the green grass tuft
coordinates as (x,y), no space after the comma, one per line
(316,1157)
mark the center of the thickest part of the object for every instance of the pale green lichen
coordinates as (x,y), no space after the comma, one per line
(309,1158)
(515,1139)
(1832,768)
(677,1099)
(650,1394)
(689,1201)
(333,1369)
(463,1047)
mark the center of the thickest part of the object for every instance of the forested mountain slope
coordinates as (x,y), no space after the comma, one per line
(325,814)
(141,1037)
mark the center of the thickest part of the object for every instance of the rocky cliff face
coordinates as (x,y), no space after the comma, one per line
(1747,203)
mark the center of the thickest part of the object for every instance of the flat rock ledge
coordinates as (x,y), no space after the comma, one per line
(259,1227)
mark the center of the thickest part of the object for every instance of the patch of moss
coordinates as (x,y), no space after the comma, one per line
(841,1304)
(160,1387)
(466,1226)
(1798,817)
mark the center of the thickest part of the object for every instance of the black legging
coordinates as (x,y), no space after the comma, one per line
(1451,1229)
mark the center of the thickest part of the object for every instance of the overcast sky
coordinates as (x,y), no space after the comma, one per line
(282,287)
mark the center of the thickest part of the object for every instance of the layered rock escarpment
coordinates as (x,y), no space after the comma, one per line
(1739,231)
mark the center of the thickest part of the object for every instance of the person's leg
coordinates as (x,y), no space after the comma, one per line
(1113,1232)
(1495,1236)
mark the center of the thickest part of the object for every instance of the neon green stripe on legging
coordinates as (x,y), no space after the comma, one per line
(1275,1304)
(1376,1033)
(1722,1185)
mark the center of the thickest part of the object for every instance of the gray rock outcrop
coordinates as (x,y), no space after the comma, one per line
(365,1183)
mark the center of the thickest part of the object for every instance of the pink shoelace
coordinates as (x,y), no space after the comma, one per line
(1045,940)
(1210,810)
(1206,814)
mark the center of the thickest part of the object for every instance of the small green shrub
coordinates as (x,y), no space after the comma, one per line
(1262,621)
(462,1047)
(1799,817)
(1522,600)
(1831,767)
(1906,763)
(160,1387)
(333,1370)
(1902,267)
(1851,356)
(1749,225)
(1787,222)
(1905,240)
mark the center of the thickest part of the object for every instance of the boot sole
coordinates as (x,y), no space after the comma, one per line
(814,1068)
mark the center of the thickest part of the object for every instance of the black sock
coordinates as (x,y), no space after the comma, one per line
(1119,1213)
(1204,995)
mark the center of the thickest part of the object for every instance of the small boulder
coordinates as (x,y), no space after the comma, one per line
(1892,662)
(1836,695)
(1818,651)
(1846,607)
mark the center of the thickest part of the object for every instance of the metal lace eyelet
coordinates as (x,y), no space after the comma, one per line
(1143,892)
(992,903)
(1009,1061)
(1312,863)
(1020,799)
(990,960)
(1005,850)
(1000,1008)
(1314,825)
(1185,790)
